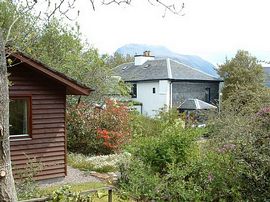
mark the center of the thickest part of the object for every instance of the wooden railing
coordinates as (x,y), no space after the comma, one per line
(108,188)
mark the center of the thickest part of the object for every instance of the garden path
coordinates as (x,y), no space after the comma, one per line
(73,176)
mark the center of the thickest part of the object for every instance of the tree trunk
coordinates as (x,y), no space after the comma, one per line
(7,186)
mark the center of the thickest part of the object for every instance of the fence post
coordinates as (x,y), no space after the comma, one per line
(110,195)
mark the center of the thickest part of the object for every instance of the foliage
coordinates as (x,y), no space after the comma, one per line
(211,177)
(17,24)
(26,186)
(74,187)
(74,192)
(243,126)
(60,46)
(173,165)
(143,126)
(118,59)
(139,181)
(64,194)
(172,146)
(244,89)
(71,56)
(98,131)
(152,156)
(250,135)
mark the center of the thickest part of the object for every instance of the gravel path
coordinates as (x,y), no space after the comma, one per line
(73,176)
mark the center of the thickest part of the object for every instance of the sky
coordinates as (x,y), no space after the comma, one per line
(211,29)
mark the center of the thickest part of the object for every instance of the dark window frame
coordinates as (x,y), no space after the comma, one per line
(207,95)
(28,98)
(133,92)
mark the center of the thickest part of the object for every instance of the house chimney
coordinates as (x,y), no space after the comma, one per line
(140,59)
(147,53)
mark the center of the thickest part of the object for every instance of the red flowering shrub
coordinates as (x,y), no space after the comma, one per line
(97,131)
(113,124)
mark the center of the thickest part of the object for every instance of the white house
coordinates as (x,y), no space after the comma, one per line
(158,83)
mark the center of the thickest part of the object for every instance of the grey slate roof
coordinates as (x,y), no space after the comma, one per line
(194,104)
(161,69)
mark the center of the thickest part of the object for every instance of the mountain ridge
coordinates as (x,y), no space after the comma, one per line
(163,52)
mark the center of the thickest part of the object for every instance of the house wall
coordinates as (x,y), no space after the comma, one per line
(47,143)
(182,90)
(153,102)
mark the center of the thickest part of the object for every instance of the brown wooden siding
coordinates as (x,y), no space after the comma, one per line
(47,143)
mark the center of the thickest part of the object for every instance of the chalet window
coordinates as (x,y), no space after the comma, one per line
(207,95)
(133,90)
(154,90)
(19,116)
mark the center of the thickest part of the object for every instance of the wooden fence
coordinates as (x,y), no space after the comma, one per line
(108,188)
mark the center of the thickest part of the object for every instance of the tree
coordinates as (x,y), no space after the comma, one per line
(118,59)
(243,125)
(7,187)
(244,88)
(10,17)
(71,56)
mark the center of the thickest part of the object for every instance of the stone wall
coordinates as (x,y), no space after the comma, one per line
(182,90)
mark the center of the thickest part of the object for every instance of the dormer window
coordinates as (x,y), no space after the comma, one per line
(146,66)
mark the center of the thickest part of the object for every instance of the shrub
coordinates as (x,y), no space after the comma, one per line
(173,145)
(143,126)
(174,166)
(98,131)
(26,186)
(139,181)
(144,177)
(249,134)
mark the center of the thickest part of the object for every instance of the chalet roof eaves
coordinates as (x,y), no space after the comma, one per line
(72,84)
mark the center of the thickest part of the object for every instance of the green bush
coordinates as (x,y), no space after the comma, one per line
(173,145)
(173,165)
(144,126)
(249,134)
(139,181)
(154,153)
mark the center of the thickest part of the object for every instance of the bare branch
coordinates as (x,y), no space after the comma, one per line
(171,7)
(104,2)
(10,27)
(56,8)
(93,4)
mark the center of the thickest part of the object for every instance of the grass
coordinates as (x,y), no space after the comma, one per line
(101,164)
(74,187)
(100,196)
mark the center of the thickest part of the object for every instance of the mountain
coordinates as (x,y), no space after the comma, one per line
(163,52)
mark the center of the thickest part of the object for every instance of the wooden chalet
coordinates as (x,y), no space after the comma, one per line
(37,115)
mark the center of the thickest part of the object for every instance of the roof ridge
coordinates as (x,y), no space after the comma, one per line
(122,64)
(194,69)
(169,69)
